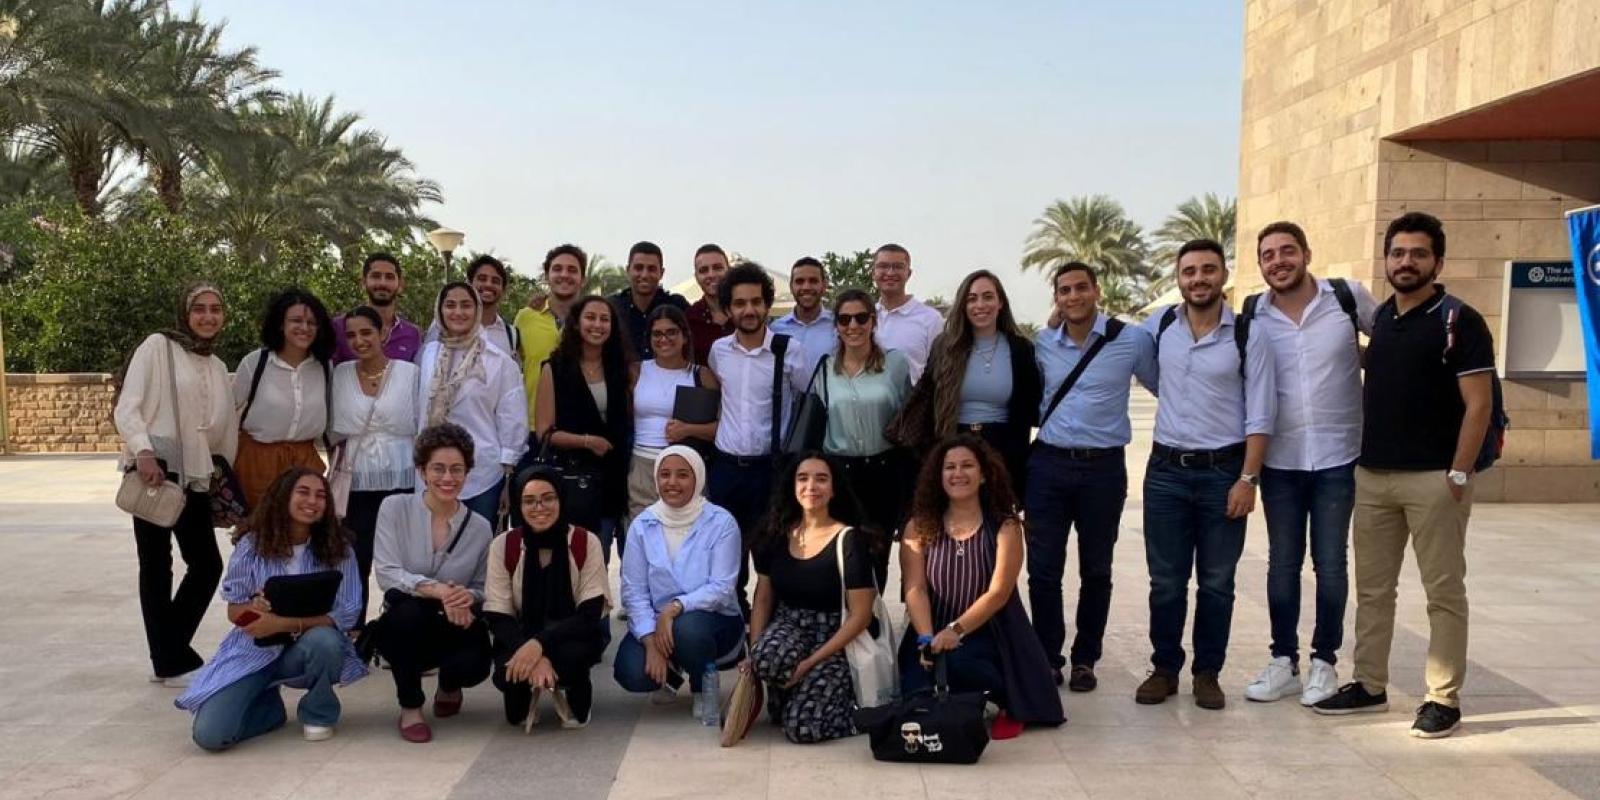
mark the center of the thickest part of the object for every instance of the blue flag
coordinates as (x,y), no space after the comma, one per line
(1585,227)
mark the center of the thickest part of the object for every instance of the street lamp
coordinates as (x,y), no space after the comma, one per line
(446,240)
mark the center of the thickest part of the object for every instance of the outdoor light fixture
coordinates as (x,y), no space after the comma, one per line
(446,240)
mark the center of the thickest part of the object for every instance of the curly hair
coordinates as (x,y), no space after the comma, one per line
(278,309)
(784,513)
(930,502)
(438,437)
(270,522)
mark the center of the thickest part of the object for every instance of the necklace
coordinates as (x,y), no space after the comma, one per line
(969,529)
(374,377)
(988,359)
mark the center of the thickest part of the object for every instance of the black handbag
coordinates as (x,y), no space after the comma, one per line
(930,726)
(809,425)
(580,478)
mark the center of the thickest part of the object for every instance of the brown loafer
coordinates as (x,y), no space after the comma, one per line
(417,733)
(1207,692)
(443,707)
(1156,688)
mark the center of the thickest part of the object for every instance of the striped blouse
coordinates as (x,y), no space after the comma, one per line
(958,574)
(238,654)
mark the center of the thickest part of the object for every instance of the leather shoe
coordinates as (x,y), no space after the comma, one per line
(443,707)
(1156,688)
(1083,679)
(1207,692)
(416,733)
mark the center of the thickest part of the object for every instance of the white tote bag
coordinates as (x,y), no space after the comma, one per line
(871,657)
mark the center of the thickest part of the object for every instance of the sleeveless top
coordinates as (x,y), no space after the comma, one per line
(958,574)
(653,397)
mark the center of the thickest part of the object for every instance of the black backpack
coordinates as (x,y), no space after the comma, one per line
(1494,437)
(1241,333)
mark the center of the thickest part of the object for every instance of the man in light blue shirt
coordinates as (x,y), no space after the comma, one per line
(810,324)
(1077,473)
(1217,404)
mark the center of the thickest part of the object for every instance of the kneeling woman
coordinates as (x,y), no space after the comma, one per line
(235,695)
(678,575)
(959,560)
(430,558)
(544,597)
(798,629)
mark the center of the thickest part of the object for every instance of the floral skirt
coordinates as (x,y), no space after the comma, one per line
(822,705)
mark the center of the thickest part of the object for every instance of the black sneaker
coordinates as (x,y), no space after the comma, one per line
(1083,679)
(1353,698)
(1055,673)
(1435,721)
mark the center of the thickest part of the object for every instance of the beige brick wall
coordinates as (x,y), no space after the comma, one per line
(1327,83)
(60,414)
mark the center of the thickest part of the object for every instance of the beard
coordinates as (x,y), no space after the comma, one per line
(1205,306)
(375,300)
(1421,281)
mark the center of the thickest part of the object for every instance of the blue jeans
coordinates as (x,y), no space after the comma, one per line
(972,667)
(698,637)
(253,705)
(487,505)
(1186,529)
(1323,498)
(1064,492)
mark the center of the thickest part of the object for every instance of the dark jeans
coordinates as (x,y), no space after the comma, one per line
(487,504)
(1064,492)
(743,486)
(361,519)
(170,620)
(1186,529)
(1291,499)
(698,638)
(416,637)
(972,667)
(882,484)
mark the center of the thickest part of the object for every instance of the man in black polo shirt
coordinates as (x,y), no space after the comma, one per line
(643,295)
(1426,407)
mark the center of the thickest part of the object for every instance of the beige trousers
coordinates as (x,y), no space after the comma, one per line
(1392,507)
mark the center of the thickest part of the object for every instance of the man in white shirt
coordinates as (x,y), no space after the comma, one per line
(810,323)
(1309,476)
(904,322)
(750,425)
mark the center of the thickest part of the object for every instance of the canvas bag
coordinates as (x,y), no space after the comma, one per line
(871,657)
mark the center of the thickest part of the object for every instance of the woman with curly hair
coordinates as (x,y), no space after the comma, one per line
(959,560)
(235,696)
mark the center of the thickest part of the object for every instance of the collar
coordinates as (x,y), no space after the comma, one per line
(1269,297)
(1427,307)
(1098,328)
(766,343)
(1225,322)
(273,359)
(907,307)
(825,316)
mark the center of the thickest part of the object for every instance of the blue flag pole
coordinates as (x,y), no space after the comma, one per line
(1584,225)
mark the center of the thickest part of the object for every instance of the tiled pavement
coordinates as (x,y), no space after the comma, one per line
(77,718)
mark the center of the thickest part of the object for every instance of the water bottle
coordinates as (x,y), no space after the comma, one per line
(711,697)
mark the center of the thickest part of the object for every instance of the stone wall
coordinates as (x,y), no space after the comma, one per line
(60,414)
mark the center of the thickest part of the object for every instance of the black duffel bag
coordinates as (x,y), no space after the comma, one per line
(930,726)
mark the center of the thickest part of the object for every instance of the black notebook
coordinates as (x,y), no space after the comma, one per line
(309,594)
(695,405)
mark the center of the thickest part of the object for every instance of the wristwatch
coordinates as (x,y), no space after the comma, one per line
(1250,478)
(955,627)
(1457,477)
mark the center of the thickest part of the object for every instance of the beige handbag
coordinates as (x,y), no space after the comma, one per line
(158,505)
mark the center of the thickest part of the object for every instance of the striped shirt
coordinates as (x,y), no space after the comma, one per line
(958,574)
(238,655)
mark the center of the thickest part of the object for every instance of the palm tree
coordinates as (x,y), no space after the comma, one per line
(1092,229)
(1205,217)
(603,277)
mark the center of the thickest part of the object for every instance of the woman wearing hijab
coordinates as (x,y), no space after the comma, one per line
(465,380)
(543,599)
(176,416)
(678,576)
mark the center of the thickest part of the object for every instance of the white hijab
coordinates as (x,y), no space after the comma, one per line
(684,517)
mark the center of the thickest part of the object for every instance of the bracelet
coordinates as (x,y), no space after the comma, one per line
(925,640)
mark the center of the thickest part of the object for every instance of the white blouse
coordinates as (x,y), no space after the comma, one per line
(491,405)
(291,404)
(380,449)
(205,409)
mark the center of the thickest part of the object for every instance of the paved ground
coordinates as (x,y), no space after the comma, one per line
(77,718)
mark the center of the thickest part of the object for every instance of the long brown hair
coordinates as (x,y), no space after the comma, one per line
(875,354)
(956,348)
(995,497)
(270,522)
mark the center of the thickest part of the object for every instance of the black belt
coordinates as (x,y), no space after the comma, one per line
(1196,459)
(1083,453)
(884,459)
(745,461)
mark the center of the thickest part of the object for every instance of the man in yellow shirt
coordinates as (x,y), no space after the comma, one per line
(540,323)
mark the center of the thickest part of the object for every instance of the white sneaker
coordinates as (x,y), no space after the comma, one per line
(317,733)
(1275,681)
(1322,684)
(665,696)
(699,704)
(179,681)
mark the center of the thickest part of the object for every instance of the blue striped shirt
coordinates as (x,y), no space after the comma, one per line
(238,654)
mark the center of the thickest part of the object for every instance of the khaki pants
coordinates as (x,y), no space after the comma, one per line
(641,486)
(1391,507)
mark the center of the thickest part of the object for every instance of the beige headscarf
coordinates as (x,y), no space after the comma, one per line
(465,349)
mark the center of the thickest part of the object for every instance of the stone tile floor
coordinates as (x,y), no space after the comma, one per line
(78,720)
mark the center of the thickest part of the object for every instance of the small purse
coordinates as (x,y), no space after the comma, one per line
(157,505)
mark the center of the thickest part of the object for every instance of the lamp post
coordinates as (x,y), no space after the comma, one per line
(446,240)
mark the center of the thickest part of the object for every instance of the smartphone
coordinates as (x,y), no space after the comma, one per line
(246,617)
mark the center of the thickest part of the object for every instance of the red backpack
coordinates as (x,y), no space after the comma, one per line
(578,544)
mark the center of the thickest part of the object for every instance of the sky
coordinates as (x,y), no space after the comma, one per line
(777,129)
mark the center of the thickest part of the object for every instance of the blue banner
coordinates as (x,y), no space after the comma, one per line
(1585,227)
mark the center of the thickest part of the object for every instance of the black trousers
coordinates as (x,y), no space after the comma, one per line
(1011,441)
(743,486)
(572,661)
(170,620)
(415,637)
(361,519)
(882,485)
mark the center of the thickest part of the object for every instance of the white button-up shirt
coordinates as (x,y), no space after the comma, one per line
(1203,403)
(745,427)
(1319,379)
(291,403)
(490,404)
(910,328)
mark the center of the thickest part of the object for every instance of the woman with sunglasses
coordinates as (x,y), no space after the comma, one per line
(864,387)
(655,392)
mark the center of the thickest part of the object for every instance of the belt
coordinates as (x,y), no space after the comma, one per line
(1083,453)
(977,427)
(886,458)
(745,461)
(1196,459)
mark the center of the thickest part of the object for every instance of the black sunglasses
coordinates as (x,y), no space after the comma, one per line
(859,318)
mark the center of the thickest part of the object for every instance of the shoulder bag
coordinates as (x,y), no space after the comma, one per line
(157,505)
(871,657)
(809,425)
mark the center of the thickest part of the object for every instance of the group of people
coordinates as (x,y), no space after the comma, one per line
(483,472)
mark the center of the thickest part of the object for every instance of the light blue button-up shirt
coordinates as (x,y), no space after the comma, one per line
(701,576)
(1095,412)
(1203,403)
(818,337)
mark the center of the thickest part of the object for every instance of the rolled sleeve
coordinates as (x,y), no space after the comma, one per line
(1260,385)
(239,581)
(347,604)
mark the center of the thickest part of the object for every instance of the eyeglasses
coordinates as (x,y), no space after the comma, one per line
(669,333)
(859,318)
(541,501)
(440,470)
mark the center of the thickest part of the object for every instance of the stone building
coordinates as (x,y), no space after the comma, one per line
(1484,113)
